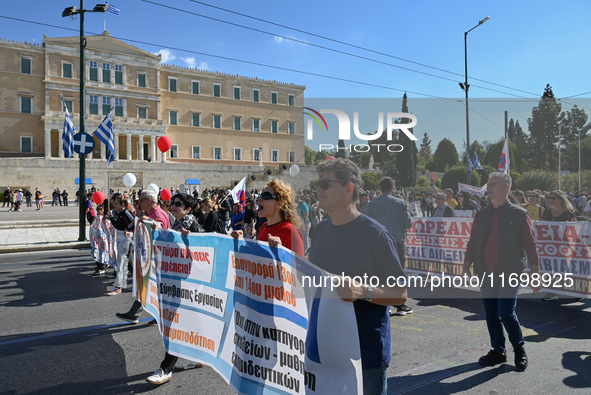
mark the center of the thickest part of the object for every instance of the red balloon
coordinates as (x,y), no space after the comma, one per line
(165,194)
(164,143)
(329,158)
(98,197)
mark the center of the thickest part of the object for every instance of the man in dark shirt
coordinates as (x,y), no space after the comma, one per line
(502,234)
(352,243)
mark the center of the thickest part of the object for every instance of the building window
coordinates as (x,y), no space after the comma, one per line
(118,74)
(273,97)
(196,119)
(255,95)
(290,100)
(256,124)
(106,72)
(106,105)
(172,84)
(93,75)
(274,155)
(195,87)
(67,70)
(217,121)
(26,105)
(196,152)
(274,126)
(93,108)
(118,107)
(141,80)
(256,155)
(174,151)
(69,105)
(173,117)
(237,122)
(217,90)
(291,156)
(142,112)
(217,153)
(236,93)
(237,153)
(26,144)
(25,66)
(291,128)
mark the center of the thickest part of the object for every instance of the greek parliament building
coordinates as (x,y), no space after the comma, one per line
(223,127)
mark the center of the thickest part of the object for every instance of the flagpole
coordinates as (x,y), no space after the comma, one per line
(559,168)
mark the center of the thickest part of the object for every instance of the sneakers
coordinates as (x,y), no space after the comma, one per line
(520,359)
(98,272)
(127,317)
(159,377)
(403,310)
(185,364)
(114,291)
(152,322)
(549,297)
(578,299)
(494,358)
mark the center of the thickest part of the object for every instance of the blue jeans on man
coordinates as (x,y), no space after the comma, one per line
(375,381)
(499,305)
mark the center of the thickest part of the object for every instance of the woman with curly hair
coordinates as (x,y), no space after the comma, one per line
(276,204)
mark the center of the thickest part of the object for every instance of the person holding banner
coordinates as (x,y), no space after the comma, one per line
(502,235)
(354,244)
(464,209)
(210,217)
(281,228)
(443,209)
(123,221)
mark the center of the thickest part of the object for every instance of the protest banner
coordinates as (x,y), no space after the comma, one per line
(102,241)
(480,191)
(438,245)
(239,306)
(415,210)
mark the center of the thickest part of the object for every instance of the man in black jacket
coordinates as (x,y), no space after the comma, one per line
(502,234)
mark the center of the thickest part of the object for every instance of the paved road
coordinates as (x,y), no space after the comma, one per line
(48,213)
(58,335)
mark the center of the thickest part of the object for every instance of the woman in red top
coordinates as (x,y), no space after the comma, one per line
(276,204)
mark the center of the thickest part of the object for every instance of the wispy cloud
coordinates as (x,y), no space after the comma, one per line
(288,40)
(278,39)
(190,62)
(203,66)
(166,54)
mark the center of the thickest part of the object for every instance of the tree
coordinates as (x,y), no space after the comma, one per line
(370,180)
(445,155)
(405,160)
(341,152)
(457,174)
(570,157)
(425,154)
(493,155)
(310,156)
(543,129)
(573,123)
(474,147)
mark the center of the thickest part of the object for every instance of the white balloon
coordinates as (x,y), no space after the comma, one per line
(294,170)
(129,180)
(153,187)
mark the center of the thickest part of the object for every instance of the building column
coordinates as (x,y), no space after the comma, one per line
(153,146)
(129,147)
(163,156)
(103,151)
(60,146)
(140,152)
(47,143)
(116,145)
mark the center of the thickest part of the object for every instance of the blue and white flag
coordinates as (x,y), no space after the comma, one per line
(68,134)
(476,162)
(470,164)
(104,133)
(112,9)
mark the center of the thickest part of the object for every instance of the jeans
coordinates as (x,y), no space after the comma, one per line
(305,232)
(168,363)
(123,246)
(499,305)
(225,225)
(375,381)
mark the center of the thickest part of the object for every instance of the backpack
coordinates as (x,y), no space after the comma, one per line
(219,227)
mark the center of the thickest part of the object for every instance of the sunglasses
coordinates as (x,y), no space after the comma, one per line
(552,197)
(325,184)
(177,204)
(267,196)
(532,196)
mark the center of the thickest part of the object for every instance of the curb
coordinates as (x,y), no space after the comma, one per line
(46,247)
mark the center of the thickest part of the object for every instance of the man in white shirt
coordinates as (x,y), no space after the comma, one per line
(19,199)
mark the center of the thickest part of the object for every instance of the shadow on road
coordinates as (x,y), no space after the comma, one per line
(580,363)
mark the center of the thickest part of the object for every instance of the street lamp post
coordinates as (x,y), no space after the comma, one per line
(71,11)
(465,86)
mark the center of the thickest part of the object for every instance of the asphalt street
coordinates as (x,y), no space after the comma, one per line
(59,335)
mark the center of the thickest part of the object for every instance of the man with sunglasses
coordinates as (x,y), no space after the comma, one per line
(354,244)
(533,208)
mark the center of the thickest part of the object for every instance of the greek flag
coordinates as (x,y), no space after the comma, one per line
(68,134)
(112,9)
(104,133)
(470,164)
(476,162)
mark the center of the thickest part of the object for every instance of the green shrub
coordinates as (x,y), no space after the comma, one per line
(458,174)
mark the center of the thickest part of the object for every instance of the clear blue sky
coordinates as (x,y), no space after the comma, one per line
(524,45)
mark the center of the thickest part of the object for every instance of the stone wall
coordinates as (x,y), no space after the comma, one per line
(48,174)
